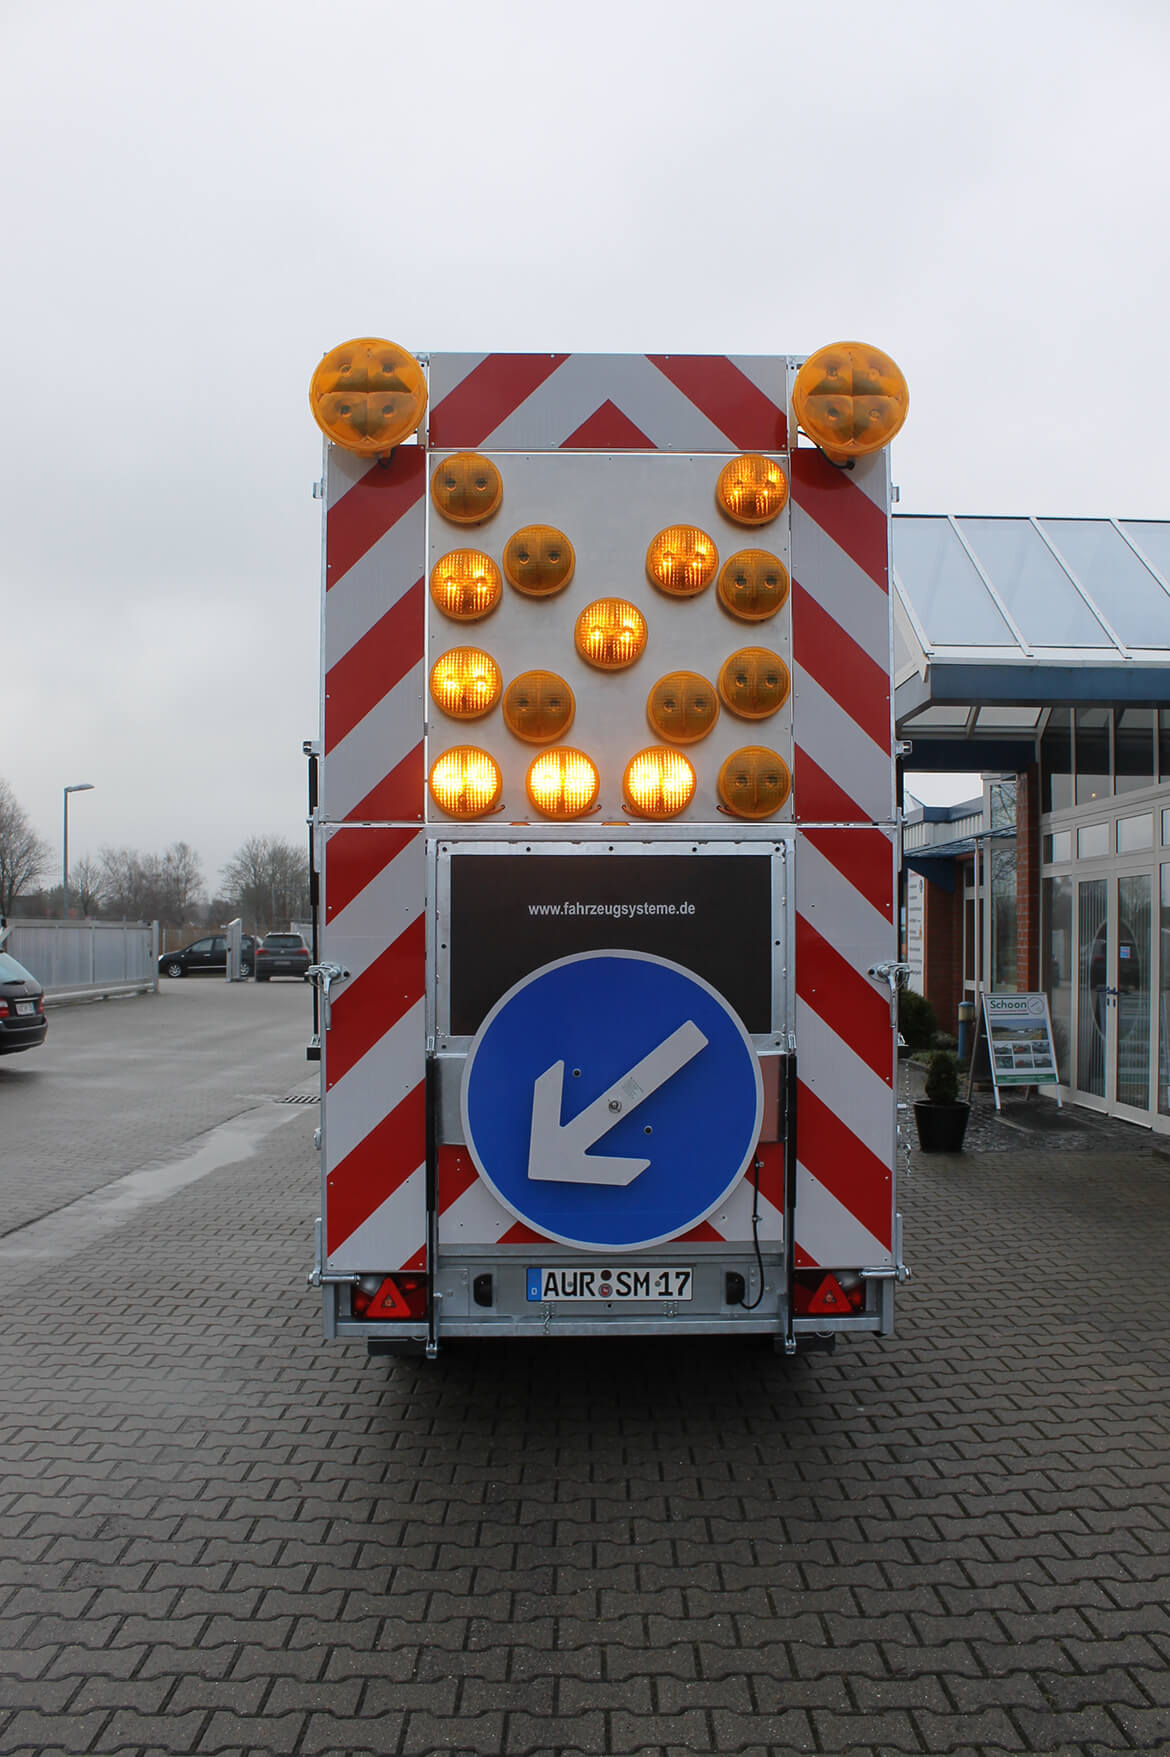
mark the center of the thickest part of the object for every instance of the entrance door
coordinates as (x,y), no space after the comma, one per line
(1115,994)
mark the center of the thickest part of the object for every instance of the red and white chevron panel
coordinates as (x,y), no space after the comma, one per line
(841,640)
(374,1114)
(372,805)
(374,647)
(608,402)
(470,1214)
(845,890)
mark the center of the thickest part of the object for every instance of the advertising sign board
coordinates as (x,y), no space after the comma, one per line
(1019,1038)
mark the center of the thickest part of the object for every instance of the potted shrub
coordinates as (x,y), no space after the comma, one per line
(941,1117)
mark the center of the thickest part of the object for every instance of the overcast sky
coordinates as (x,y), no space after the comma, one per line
(198,201)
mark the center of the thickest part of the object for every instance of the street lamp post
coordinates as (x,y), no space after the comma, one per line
(78,787)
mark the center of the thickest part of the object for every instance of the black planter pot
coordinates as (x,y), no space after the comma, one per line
(941,1127)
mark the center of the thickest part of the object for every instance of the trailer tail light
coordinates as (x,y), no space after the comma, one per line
(754,782)
(466,488)
(466,683)
(752,489)
(754,683)
(851,399)
(682,561)
(538,706)
(395,1298)
(753,585)
(539,560)
(466,782)
(682,707)
(610,633)
(367,395)
(658,783)
(465,585)
(563,784)
(816,1293)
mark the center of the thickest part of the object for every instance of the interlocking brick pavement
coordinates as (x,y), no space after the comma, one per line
(221,1534)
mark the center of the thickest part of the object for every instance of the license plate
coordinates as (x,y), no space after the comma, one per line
(25,1007)
(632,1281)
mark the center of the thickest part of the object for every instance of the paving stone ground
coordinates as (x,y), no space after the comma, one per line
(220,1534)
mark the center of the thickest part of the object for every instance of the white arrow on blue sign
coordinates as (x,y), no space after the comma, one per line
(612,1100)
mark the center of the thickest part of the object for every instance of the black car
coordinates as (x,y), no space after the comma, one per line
(208,954)
(22,1008)
(281,954)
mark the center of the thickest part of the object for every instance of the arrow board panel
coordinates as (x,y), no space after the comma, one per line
(612,1100)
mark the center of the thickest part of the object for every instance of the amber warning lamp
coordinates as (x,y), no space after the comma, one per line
(466,488)
(466,782)
(851,399)
(368,395)
(754,782)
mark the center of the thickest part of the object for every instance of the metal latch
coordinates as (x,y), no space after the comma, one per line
(323,976)
(896,976)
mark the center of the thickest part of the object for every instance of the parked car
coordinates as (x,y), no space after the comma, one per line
(208,954)
(22,1007)
(281,954)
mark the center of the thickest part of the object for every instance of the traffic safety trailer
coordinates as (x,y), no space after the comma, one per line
(604,846)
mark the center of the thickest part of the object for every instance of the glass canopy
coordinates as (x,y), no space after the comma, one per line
(1036,586)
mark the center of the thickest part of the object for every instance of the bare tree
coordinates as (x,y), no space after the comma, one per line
(146,887)
(88,884)
(267,880)
(23,854)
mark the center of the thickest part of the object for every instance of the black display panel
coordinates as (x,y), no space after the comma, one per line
(512,913)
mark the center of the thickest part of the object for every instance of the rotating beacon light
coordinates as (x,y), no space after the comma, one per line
(851,399)
(367,395)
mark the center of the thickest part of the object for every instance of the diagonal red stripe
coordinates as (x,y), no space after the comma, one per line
(367,511)
(374,664)
(397,797)
(367,1007)
(844,511)
(488,395)
(703,1234)
(522,1235)
(841,666)
(607,429)
(818,797)
(728,398)
(355,858)
(456,1174)
(850,1005)
(844,1165)
(865,858)
(365,1178)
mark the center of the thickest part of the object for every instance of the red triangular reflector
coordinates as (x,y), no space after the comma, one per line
(388,1302)
(607,429)
(829,1297)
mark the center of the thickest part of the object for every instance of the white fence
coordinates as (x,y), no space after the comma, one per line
(75,957)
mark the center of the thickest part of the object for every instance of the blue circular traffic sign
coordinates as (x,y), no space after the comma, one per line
(612,1100)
